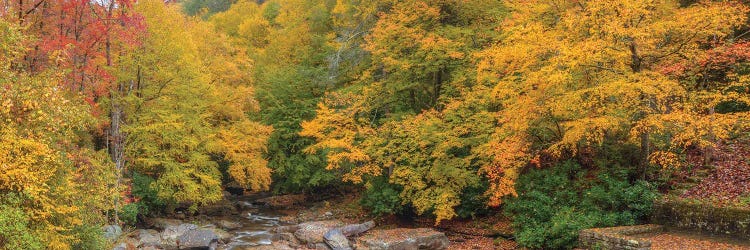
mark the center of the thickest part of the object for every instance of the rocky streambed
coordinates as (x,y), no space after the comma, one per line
(246,223)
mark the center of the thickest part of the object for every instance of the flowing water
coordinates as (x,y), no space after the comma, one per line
(257,223)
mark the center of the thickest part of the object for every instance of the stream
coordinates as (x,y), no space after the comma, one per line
(257,223)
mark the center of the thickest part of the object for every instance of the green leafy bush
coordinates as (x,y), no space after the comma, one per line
(14,228)
(382,198)
(89,237)
(147,197)
(554,204)
(129,212)
(473,201)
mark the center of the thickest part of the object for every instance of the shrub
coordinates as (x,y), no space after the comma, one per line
(89,237)
(473,201)
(147,199)
(14,229)
(382,198)
(554,204)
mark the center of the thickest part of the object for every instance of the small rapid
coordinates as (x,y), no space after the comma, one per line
(257,225)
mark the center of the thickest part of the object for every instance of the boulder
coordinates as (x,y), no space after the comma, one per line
(312,232)
(403,238)
(112,232)
(229,225)
(172,233)
(336,240)
(282,201)
(198,238)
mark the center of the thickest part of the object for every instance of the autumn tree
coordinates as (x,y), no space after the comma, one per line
(573,75)
(402,119)
(48,196)
(289,44)
(188,113)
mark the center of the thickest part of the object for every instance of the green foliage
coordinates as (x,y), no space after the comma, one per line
(554,204)
(15,231)
(144,191)
(205,7)
(382,198)
(128,214)
(291,75)
(89,237)
(146,200)
(473,201)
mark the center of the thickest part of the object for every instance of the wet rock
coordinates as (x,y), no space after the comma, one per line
(112,232)
(172,233)
(198,238)
(336,240)
(403,238)
(312,232)
(282,201)
(229,225)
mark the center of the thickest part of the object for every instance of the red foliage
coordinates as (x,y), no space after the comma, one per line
(714,65)
(80,37)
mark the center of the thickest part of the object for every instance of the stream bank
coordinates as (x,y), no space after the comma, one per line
(291,222)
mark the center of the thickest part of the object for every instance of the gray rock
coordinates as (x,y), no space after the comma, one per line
(112,232)
(312,232)
(356,229)
(229,225)
(147,238)
(172,233)
(404,238)
(198,238)
(336,240)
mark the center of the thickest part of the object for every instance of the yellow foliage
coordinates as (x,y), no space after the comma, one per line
(570,74)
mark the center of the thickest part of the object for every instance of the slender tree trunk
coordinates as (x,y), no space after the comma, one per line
(708,153)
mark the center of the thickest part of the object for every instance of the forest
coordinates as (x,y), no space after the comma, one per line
(550,116)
